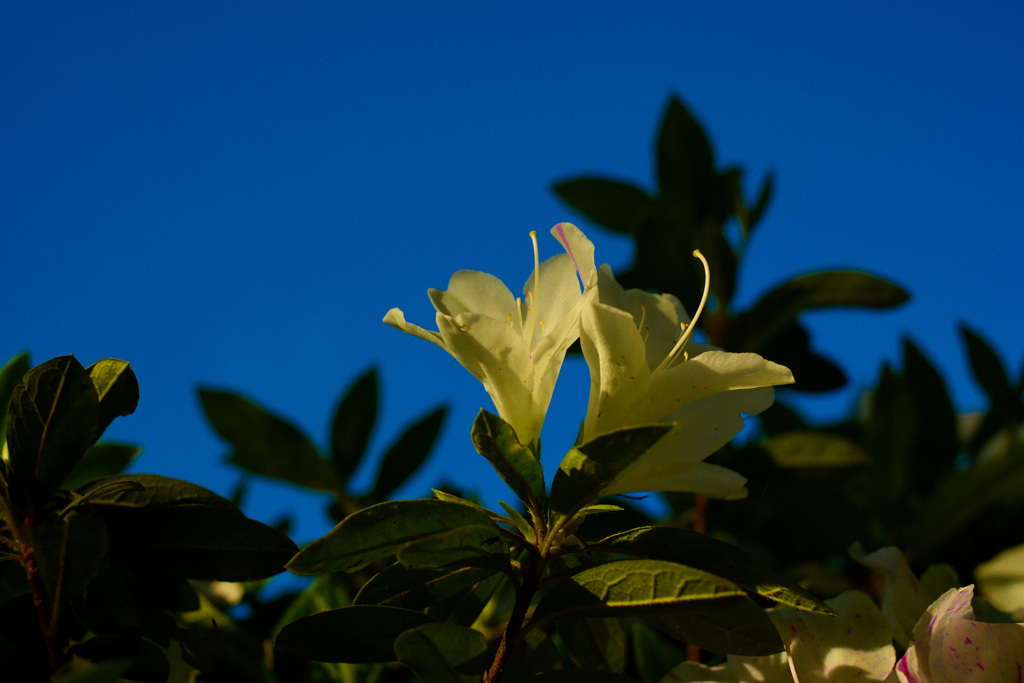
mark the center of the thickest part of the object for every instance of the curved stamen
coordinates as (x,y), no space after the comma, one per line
(534,309)
(687,328)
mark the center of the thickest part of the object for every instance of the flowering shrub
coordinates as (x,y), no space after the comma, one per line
(108,576)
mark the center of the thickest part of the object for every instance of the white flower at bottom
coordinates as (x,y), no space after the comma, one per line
(645,370)
(515,346)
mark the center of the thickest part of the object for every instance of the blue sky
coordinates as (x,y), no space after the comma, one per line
(233,195)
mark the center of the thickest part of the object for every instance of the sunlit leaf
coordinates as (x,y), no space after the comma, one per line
(51,423)
(590,468)
(353,423)
(518,466)
(117,388)
(378,531)
(443,652)
(264,443)
(360,633)
(633,587)
(700,551)
(405,455)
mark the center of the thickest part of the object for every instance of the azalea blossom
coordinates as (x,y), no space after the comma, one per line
(515,346)
(949,646)
(645,369)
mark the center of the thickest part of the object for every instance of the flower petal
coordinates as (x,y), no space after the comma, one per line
(396,319)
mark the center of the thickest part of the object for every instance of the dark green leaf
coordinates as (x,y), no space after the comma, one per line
(356,634)
(443,652)
(154,491)
(10,376)
(52,422)
(117,388)
(989,372)
(378,531)
(654,654)
(264,443)
(149,663)
(353,424)
(590,468)
(808,448)
(595,644)
(633,587)
(195,542)
(693,549)
(326,592)
(69,554)
(936,445)
(464,543)
(407,454)
(417,588)
(101,460)
(734,626)
(518,466)
(608,203)
(685,160)
(776,310)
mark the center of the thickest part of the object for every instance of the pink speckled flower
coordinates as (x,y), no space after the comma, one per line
(949,646)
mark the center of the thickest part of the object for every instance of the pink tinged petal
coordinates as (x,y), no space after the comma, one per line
(580,250)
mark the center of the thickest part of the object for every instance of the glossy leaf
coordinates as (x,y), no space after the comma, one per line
(377,532)
(693,549)
(462,544)
(633,587)
(264,443)
(101,460)
(407,454)
(10,376)
(517,465)
(51,423)
(417,588)
(443,652)
(609,203)
(807,448)
(195,542)
(590,468)
(356,634)
(117,389)
(353,423)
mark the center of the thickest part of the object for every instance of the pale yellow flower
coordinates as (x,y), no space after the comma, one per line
(644,369)
(515,346)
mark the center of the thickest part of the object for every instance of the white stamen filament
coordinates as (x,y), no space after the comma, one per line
(534,309)
(687,328)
